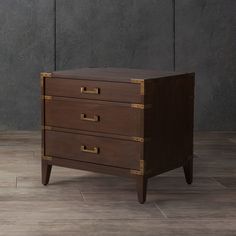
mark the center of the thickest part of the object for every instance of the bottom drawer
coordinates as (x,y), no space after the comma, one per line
(100,150)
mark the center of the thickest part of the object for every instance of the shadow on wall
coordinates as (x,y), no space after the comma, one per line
(221,107)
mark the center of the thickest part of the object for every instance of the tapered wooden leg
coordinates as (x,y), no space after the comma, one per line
(188,171)
(141,182)
(46,171)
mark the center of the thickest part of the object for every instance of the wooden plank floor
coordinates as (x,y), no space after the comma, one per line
(83,203)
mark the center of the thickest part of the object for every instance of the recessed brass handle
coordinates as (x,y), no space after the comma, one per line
(92,91)
(84,117)
(93,150)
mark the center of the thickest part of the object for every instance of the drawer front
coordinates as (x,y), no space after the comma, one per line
(100,150)
(99,116)
(98,90)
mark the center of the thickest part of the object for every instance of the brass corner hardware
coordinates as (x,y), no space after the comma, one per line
(141,106)
(47,127)
(41,82)
(47,158)
(45,97)
(141,169)
(141,82)
(138,139)
(45,75)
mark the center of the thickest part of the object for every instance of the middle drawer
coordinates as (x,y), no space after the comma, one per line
(96,116)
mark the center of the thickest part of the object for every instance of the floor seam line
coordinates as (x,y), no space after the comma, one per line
(162,212)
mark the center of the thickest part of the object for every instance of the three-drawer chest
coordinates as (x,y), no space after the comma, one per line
(127,122)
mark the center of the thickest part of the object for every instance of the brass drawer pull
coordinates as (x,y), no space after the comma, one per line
(84,117)
(92,91)
(93,150)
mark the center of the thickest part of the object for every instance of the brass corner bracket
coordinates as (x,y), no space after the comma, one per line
(141,106)
(138,106)
(138,139)
(47,158)
(46,97)
(46,127)
(141,82)
(141,169)
(45,75)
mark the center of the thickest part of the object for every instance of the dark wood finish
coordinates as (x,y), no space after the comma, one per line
(141,183)
(88,166)
(93,133)
(108,91)
(188,170)
(113,152)
(46,172)
(211,200)
(126,122)
(169,124)
(115,118)
(123,75)
(46,167)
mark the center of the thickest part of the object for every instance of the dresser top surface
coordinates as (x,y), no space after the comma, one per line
(113,74)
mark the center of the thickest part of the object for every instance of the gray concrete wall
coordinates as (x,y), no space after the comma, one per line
(195,35)
(130,33)
(26,48)
(206,43)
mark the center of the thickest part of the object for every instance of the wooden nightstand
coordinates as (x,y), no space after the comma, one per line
(127,122)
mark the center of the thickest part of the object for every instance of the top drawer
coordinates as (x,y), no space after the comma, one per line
(98,90)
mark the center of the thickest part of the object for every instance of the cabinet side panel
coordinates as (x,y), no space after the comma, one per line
(42,114)
(170,123)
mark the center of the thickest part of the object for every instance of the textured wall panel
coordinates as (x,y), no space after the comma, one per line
(206,43)
(130,33)
(26,48)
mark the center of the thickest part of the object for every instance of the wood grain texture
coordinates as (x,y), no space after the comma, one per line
(79,202)
(111,152)
(108,91)
(161,127)
(169,123)
(124,75)
(114,118)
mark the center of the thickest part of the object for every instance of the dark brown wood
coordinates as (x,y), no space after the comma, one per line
(42,82)
(93,133)
(188,170)
(127,122)
(108,91)
(45,165)
(209,203)
(88,166)
(113,152)
(170,123)
(115,118)
(46,168)
(141,183)
(113,74)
